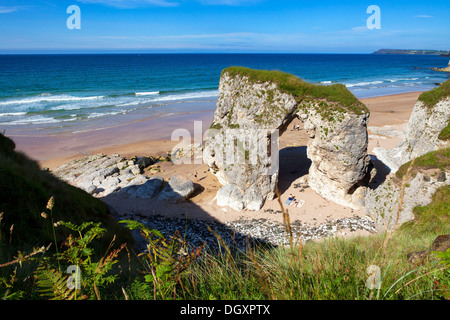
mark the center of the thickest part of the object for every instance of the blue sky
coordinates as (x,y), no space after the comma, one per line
(223,26)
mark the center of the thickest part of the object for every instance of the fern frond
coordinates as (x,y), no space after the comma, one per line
(53,284)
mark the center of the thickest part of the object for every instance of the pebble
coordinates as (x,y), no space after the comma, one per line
(240,233)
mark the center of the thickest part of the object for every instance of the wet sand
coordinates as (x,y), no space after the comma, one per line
(153,135)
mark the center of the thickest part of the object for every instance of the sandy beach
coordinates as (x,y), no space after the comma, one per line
(152,137)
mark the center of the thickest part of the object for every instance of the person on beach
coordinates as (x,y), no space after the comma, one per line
(290,199)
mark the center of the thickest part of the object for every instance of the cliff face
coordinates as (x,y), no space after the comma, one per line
(423,132)
(393,202)
(255,107)
(426,142)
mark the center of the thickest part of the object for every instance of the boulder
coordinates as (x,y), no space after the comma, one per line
(144,162)
(178,189)
(102,175)
(231,196)
(149,189)
(418,257)
(441,243)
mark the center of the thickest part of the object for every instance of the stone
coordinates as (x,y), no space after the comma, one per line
(144,162)
(178,189)
(149,189)
(91,189)
(121,165)
(85,185)
(441,243)
(135,169)
(102,175)
(253,199)
(418,257)
(231,196)
(163,158)
(422,136)
(241,147)
(110,182)
(441,176)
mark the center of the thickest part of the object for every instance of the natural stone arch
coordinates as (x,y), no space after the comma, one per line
(255,107)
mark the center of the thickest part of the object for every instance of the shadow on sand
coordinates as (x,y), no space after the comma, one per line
(382,171)
(294,164)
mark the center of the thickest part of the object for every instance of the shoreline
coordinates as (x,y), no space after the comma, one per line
(154,133)
(131,138)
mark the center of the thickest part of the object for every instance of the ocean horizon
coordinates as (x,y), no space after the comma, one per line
(73,92)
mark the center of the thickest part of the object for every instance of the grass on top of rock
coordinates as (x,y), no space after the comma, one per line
(302,90)
(430,98)
(439,160)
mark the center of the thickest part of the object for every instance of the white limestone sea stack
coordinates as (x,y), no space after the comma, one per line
(255,107)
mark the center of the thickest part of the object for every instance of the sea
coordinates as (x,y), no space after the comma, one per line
(72,93)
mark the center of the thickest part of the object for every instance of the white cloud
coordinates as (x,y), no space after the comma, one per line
(360,29)
(228,2)
(8,9)
(127,4)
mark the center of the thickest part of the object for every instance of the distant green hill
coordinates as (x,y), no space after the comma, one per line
(24,192)
(410,51)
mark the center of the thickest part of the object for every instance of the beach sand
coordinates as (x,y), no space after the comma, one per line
(152,137)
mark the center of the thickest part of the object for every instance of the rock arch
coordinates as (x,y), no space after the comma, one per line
(255,107)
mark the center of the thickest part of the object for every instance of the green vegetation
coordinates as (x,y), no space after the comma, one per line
(409,51)
(430,98)
(439,160)
(445,133)
(341,98)
(333,268)
(25,190)
(435,217)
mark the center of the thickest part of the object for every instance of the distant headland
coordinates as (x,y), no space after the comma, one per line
(442,53)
